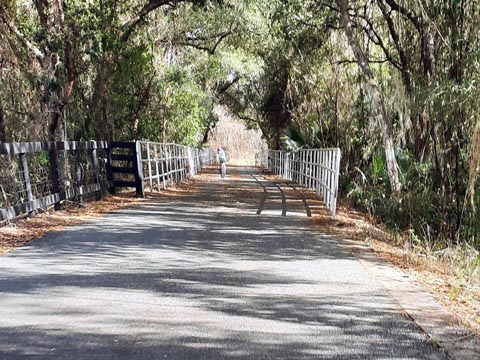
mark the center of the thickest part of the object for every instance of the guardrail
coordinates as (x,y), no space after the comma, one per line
(35,175)
(167,164)
(316,169)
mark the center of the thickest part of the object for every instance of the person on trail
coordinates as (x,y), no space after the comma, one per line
(221,161)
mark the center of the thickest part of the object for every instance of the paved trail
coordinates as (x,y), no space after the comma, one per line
(230,270)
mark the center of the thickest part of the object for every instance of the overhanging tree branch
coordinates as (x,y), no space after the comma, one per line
(377,40)
(370,61)
(405,12)
(191,42)
(130,25)
(404,61)
(222,88)
(7,20)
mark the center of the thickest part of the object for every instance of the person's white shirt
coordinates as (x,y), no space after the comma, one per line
(221,157)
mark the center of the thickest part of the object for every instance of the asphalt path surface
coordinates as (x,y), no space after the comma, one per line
(229,270)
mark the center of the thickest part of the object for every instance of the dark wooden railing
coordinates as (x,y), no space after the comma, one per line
(124,166)
(36,175)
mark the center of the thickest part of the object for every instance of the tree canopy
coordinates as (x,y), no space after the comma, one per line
(393,83)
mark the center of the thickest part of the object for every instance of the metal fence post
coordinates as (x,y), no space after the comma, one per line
(149,164)
(191,161)
(337,175)
(27,186)
(157,172)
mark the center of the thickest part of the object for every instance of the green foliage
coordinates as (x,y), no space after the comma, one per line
(282,66)
(43,158)
(378,163)
(292,139)
(188,108)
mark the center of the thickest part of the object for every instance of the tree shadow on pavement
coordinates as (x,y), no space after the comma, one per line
(186,280)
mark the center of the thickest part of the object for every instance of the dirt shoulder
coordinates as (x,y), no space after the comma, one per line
(460,296)
(25,229)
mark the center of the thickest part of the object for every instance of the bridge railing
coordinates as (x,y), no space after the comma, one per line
(35,175)
(166,164)
(199,158)
(261,159)
(316,169)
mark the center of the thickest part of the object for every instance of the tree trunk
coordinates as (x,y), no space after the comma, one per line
(404,61)
(3,131)
(384,122)
(99,124)
(164,130)
(208,128)
(142,102)
(55,98)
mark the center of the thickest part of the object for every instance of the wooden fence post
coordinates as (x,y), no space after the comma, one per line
(138,169)
(78,177)
(96,171)
(111,186)
(53,154)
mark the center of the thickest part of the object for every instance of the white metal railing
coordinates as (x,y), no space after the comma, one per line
(167,164)
(316,169)
(199,158)
(261,159)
